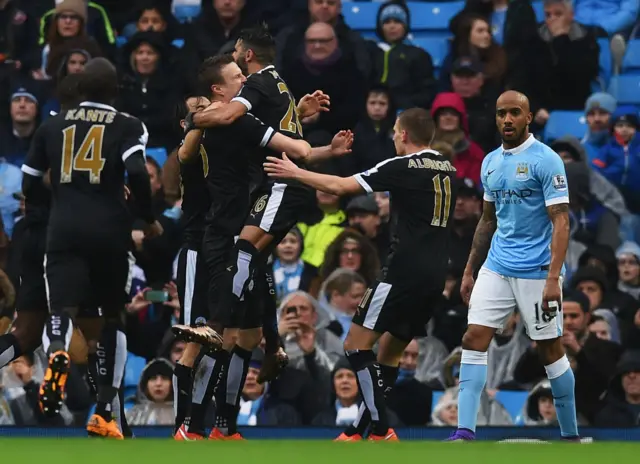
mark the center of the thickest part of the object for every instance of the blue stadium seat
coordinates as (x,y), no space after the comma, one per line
(563,123)
(186,13)
(513,401)
(631,61)
(436,47)
(133,370)
(121,41)
(360,15)
(158,154)
(433,16)
(606,63)
(626,89)
(538,8)
(178,43)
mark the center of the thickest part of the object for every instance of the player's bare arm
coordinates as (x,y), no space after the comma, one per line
(559,216)
(285,169)
(221,116)
(340,146)
(296,149)
(480,247)
(190,149)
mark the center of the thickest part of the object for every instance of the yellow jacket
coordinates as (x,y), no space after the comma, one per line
(319,236)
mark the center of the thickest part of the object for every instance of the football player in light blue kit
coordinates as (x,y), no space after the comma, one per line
(525,230)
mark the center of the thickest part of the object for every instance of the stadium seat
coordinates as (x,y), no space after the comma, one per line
(158,154)
(121,41)
(562,123)
(178,43)
(433,16)
(606,63)
(436,47)
(186,13)
(626,89)
(513,401)
(133,371)
(538,8)
(631,61)
(360,15)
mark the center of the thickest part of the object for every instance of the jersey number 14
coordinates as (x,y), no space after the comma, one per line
(87,158)
(442,188)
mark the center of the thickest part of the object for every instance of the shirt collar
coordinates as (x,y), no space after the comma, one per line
(101,106)
(520,148)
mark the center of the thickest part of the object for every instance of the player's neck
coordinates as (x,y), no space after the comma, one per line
(255,67)
(411,148)
(511,145)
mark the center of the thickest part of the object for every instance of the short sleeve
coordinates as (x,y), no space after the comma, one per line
(384,176)
(135,137)
(251,93)
(37,163)
(484,179)
(252,131)
(553,179)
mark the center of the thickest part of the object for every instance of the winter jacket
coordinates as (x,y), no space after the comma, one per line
(16,37)
(611,15)
(147,411)
(616,412)
(467,161)
(372,144)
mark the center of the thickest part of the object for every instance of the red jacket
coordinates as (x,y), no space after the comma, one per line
(469,161)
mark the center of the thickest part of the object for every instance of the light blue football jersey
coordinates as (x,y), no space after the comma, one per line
(522,183)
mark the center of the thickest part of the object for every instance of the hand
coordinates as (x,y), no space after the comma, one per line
(309,105)
(22,370)
(189,125)
(636,319)
(174,300)
(153,230)
(138,237)
(559,26)
(466,286)
(138,302)
(542,116)
(306,338)
(288,324)
(551,295)
(283,168)
(341,143)
(571,343)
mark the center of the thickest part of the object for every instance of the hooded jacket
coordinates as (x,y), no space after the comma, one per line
(146,411)
(530,415)
(468,154)
(629,248)
(616,411)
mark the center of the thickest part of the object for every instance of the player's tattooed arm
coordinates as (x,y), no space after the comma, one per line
(559,216)
(482,237)
(215,115)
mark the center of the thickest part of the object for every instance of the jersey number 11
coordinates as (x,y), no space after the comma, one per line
(441,188)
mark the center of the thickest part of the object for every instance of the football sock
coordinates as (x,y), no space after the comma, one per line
(92,374)
(182,384)
(112,357)
(473,377)
(223,411)
(202,394)
(57,333)
(9,349)
(237,375)
(563,385)
(371,386)
(270,313)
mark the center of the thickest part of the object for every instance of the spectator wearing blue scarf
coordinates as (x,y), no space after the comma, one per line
(290,272)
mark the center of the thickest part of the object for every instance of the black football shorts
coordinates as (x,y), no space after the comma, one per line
(32,293)
(192,283)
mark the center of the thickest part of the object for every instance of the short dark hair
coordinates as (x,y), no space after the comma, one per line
(210,72)
(181,108)
(419,125)
(99,82)
(261,42)
(67,91)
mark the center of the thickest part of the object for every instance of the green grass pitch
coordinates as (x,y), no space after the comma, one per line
(153,451)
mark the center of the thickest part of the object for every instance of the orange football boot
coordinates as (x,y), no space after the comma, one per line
(51,395)
(97,426)
(344,437)
(389,436)
(184,435)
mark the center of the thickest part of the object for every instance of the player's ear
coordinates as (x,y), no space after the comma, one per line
(182,123)
(529,118)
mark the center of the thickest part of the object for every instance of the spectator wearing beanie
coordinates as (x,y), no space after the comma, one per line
(598,110)
(155,395)
(628,256)
(407,70)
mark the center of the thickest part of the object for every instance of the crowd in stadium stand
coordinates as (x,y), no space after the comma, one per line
(578,62)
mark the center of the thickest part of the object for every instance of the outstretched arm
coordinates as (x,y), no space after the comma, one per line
(217,116)
(285,169)
(559,216)
(482,237)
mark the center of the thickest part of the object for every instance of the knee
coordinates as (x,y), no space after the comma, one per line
(477,338)
(550,351)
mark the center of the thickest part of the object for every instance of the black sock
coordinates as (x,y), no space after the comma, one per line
(202,393)
(182,385)
(238,369)
(112,356)
(270,313)
(371,386)
(92,374)
(389,376)
(9,349)
(122,417)
(220,394)
(58,331)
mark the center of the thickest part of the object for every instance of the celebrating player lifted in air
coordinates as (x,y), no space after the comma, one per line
(525,230)
(399,305)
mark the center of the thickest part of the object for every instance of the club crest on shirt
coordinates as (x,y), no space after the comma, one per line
(522,171)
(559,182)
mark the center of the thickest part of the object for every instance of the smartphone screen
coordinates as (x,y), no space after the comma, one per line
(156,296)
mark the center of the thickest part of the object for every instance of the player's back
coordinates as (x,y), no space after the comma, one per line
(522,183)
(84,148)
(423,195)
(195,197)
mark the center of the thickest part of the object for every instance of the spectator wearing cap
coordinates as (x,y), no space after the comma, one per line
(598,110)
(473,39)
(619,161)
(622,401)
(155,395)
(452,126)
(318,235)
(324,64)
(614,16)
(468,81)
(290,271)
(564,62)
(407,70)
(364,215)
(465,219)
(590,221)
(24,122)
(593,359)
(69,23)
